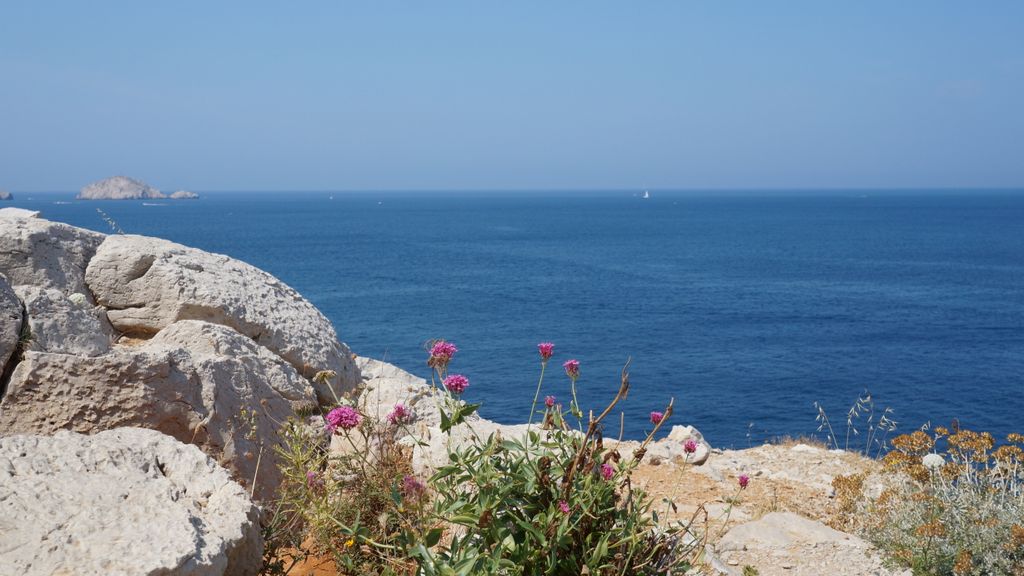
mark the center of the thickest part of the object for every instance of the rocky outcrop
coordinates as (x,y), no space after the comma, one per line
(184,195)
(147,284)
(37,252)
(121,502)
(783,543)
(119,188)
(134,331)
(5,195)
(199,382)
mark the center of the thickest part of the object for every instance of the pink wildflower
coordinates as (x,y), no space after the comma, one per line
(607,471)
(456,383)
(656,417)
(572,369)
(344,417)
(441,354)
(744,480)
(314,481)
(563,506)
(413,488)
(549,401)
(690,446)
(546,349)
(400,414)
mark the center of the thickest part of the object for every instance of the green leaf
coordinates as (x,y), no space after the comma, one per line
(469,409)
(433,537)
(446,424)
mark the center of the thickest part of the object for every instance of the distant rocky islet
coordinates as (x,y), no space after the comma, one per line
(125,188)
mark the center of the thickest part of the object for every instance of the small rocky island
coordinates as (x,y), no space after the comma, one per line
(4,195)
(124,188)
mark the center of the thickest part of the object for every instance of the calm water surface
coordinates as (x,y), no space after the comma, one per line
(744,308)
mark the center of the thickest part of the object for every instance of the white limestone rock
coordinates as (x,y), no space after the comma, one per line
(384,385)
(184,195)
(148,283)
(14,213)
(119,188)
(191,381)
(65,324)
(122,502)
(672,447)
(46,254)
(784,543)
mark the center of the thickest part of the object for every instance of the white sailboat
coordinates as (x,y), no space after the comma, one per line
(646,195)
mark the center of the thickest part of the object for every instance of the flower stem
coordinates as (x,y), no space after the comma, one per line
(536,395)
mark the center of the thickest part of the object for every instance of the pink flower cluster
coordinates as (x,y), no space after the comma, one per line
(690,446)
(744,480)
(400,414)
(441,354)
(456,383)
(572,369)
(656,417)
(546,349)
(607,471)
(344,417)
(549,401)
(413,488)
(563,506)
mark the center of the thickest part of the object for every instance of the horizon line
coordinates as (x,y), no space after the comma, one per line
(802,189)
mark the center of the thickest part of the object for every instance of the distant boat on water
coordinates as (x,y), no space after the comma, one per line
(646,195)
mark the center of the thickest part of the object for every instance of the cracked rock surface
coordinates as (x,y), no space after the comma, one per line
(147,284)
(127,501)
(10,324)
(192,381)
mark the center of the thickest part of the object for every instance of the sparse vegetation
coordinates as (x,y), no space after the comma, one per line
(953,505)
(866,431)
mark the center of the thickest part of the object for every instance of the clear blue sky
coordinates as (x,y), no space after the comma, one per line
(512,95)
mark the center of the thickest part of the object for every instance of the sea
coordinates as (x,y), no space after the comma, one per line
(749,310)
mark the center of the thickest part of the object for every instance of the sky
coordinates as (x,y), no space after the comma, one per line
(487,95)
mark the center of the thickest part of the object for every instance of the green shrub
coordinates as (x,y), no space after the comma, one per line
(556,501)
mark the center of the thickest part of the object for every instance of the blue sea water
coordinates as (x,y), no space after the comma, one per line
(745,308)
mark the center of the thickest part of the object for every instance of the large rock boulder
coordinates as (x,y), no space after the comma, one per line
(199,346)
(121,502)
(147,284)
(201,383)
(119,188)
(10,325)
(44,254)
